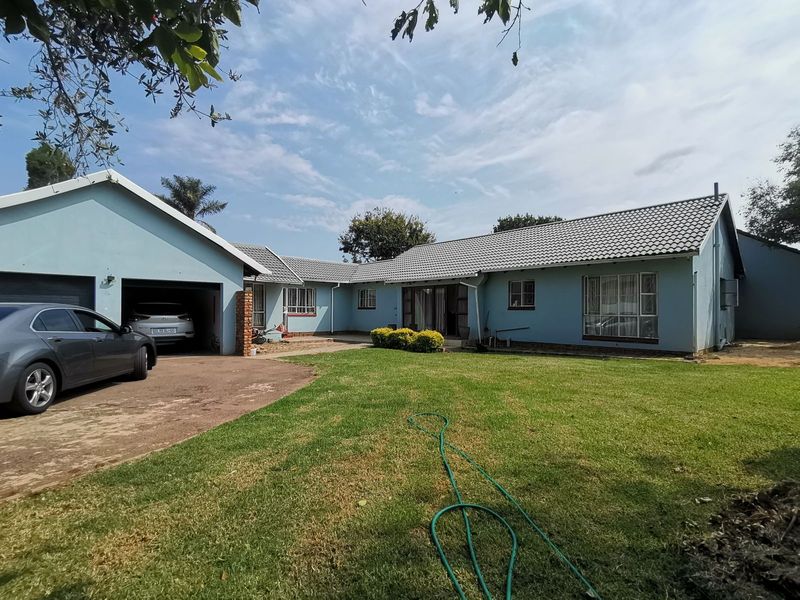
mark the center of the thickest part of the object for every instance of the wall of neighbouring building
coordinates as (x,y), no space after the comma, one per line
(715,326)
(768,303)
(104,230)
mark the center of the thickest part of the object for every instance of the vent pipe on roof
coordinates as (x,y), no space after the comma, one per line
(716,190)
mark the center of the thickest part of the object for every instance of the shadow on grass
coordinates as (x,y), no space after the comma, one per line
(783,463)
(73,591)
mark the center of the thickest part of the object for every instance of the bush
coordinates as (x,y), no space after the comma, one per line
(427,341)
(380,336)
(400,339)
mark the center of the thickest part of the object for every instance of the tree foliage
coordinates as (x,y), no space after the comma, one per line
(165,44)
(47,165)
(382,233)
(406,23)
(191,196)
(519,220)
(772,210)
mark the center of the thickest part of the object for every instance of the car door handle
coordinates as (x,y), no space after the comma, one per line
(55,339)
(98,340)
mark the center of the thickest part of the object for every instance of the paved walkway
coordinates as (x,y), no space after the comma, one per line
(117,421)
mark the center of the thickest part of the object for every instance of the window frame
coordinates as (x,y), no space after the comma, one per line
(364,293)
(251,285)
(310,305)
(75,322)
(521,293)
(113,327)
(639,315)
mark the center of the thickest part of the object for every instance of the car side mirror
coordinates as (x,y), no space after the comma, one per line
(125,329)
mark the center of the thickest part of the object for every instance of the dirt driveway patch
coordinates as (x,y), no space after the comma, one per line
(761,353)
(113,422)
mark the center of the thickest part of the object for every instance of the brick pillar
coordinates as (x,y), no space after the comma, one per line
(244,322)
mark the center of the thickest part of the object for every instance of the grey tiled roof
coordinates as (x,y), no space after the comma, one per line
(312,269)
(660,230)
(664,229)
(280,273)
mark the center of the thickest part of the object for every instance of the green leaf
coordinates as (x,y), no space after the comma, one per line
(144,9)
(433,15)
(232,11)
(169,7)
(454,6)
(504,10)
(14,24)
(211,71)
(196,51)
(398,24)
(210,41)
(188,33)
(411,25)
(165,42)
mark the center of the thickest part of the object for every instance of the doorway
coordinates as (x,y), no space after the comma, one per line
(442,308)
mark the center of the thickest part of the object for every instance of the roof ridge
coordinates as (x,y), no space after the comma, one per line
(722,196)
(325,260)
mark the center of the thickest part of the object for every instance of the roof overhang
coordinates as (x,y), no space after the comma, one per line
(111,176)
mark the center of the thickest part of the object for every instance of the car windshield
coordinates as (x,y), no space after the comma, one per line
(7,310)
(160,308)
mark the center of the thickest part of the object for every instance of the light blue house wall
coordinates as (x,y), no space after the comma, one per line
(388,308)
(714,326)
(103,230)
(558,314)
(768,306)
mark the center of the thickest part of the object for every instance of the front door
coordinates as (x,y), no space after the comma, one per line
(438,308)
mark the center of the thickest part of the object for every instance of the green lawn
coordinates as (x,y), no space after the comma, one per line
(609,456)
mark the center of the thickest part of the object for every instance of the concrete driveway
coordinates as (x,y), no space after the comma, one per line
(114,422)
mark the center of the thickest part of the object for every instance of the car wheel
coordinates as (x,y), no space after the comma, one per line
(35,390)
(140,364)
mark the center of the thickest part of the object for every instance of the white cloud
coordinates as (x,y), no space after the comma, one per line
(444,108)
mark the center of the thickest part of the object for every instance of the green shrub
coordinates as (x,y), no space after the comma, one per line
(427,341)
(400,339)
(380,336)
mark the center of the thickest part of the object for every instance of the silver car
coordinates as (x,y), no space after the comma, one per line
(165,322)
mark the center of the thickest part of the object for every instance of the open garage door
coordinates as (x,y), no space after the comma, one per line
(200,300)
(40,287)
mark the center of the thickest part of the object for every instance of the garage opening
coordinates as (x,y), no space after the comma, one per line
(41,287)
(154,299)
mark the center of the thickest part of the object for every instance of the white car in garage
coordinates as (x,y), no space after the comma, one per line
(165,322)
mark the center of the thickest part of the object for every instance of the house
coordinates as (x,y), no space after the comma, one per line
(103,242)
(769,294)
(662,277)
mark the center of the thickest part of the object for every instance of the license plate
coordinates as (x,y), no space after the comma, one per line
(164,330)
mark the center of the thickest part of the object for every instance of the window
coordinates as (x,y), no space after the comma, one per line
(93,324)
(366,299)
(521,295)
(259,304)
(56,319)
(301,301)
(621,306)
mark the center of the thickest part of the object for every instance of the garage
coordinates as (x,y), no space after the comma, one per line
(197,299)
(40,287)
(103,242)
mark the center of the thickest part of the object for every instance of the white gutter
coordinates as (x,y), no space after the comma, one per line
(333,287)
(477,305)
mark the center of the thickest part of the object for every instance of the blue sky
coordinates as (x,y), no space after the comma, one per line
(612,106)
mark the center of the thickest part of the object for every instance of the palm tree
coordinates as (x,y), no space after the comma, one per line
(190,196)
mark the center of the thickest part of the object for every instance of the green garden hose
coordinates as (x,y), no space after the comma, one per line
(464,507)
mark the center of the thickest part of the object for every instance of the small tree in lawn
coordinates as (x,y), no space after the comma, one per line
(191,196)
(382,233)
(47,165)
(518,220)
(773,210)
